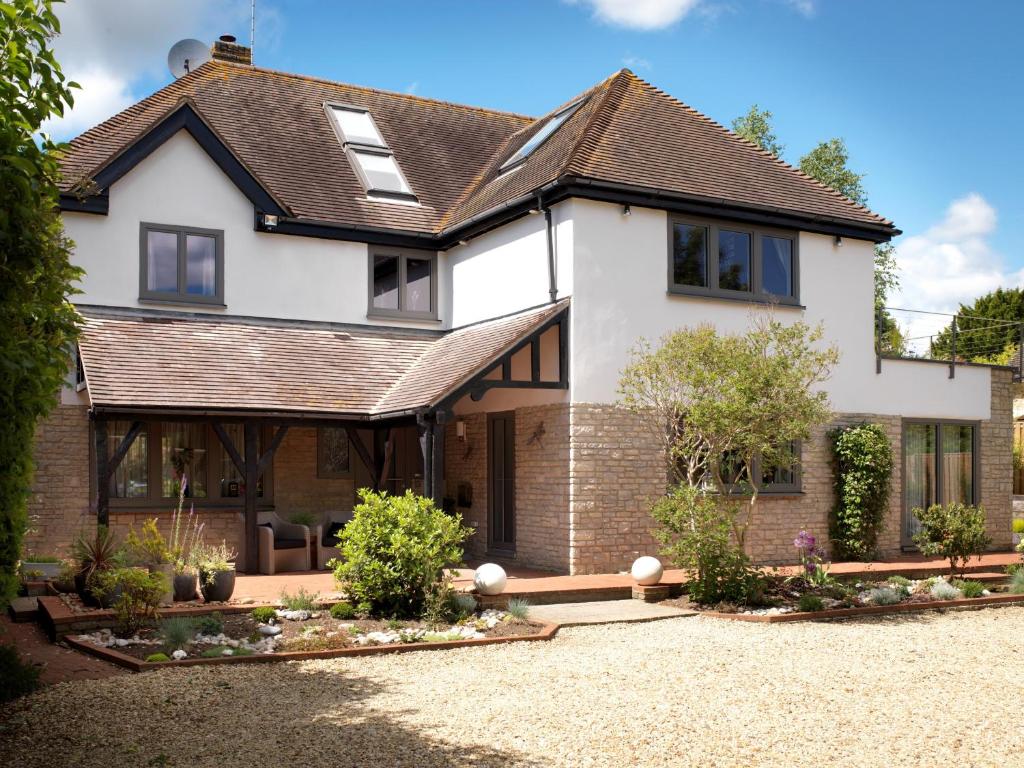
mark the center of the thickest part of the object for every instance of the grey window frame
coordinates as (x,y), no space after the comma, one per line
(402,255)
(180,296)
(383,149)
(517,160)
(905,542)
(756,293)
(794,487)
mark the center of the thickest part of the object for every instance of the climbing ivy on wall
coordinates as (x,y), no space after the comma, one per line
(862,463)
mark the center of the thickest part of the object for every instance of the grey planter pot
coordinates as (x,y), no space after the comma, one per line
(49,571)
(185,587)
(218,589)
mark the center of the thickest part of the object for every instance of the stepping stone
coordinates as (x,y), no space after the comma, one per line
(24,609)
(606,612)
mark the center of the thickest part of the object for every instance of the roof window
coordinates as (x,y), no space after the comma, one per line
(542,135)
(372,159)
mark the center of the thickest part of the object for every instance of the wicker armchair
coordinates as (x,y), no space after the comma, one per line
(282,546)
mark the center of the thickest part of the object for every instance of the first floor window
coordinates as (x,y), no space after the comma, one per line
(182,264)
(939,465)
(690,255)
(403,285)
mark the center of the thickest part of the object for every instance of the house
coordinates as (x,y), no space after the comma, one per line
(296,288)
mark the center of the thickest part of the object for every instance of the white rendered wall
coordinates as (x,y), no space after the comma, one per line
(265,275)
(506,269)
(620,295)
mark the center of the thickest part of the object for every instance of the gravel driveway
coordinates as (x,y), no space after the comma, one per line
(921,690)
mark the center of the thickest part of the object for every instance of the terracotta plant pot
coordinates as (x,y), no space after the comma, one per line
(184,587)
(219,588)
(168,571)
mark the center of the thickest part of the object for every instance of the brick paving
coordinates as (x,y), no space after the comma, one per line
(59,664)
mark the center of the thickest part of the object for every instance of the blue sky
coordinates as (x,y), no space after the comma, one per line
(921,90)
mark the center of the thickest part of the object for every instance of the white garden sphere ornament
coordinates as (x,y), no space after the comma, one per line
(646,571)
(490,579)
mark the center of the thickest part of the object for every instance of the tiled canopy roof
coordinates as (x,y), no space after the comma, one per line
(197,364)
(625,132)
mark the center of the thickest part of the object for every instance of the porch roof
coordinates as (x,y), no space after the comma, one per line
(161,361)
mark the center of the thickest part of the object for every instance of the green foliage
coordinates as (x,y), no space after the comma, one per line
(157,657)
(343,611)
(150,548)
(1013,568)
(307,519)
(970,588)
(211,559)
(17,678)
(884,596)
(439,601)
(96,552)
(862,463)
(756,127)
(177,631)
(977,336)
(41,559)
(518,608)
(954,531)
(395,549)
(1016,585)
(810,603)
(900,581)
(212,624)
(265,613)
(464,605)
(827,163)
(943,590)
(888,337)
(300,601)
(217,651)
(36,276)
(696,532)
(1018,525)
(138,594)
(1018,463)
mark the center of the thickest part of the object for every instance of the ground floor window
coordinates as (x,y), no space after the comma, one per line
(939,466)
(781,474)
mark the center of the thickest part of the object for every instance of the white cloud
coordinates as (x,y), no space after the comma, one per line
(636,62)
(805,7)
(412,87)
(641,14)
(110,46)
(951,263)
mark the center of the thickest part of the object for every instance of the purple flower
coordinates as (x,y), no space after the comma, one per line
(810,566)
(804,541)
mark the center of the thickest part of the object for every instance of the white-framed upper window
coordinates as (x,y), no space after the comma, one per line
(542,135)
(371,158)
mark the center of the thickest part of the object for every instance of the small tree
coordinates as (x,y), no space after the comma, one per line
(756,127)
(953,531)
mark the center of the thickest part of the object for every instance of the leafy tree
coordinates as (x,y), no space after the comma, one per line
(828,163)
(36,276)
(756,127)
(887,332)
(987,330)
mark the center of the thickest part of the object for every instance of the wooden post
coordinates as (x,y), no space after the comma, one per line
(437,465)
(427,430)
(252,461)
(102,473)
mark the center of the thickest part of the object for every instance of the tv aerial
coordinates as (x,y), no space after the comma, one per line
(187,56)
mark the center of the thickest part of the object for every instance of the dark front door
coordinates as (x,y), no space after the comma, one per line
(501,442)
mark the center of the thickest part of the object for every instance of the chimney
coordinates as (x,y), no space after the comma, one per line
(226,49)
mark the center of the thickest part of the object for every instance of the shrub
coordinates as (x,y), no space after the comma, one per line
(862,462)
(17,677)
(155,657)
(343,611)
(140,594)
(96,552)
(518,608)
(211,624)
(300,601)
(1016,585)
(177,631)
(900,581)
(970,588)
(810,603)
(464,605)
(217,651)
(1013,568)
(943,590)
(884,596)
(395,549)
(696,533)
(150,548)
(263,614)
(1018,525)
(953,531)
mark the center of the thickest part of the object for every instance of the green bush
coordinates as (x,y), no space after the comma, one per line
(17,677)
(884,596)
(862,463)
(263,614)
(464,605)
(1016,585)
(343,611)
(212,624)
(155,657)
(1013,568)
(139,595)
(899,581)
(1018,525)
(954,531)
(218,651)
(970,588)
(300,601)
(395,549)
(810,603)
(696,531)
(177,631)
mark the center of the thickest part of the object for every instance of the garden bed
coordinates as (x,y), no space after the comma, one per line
(219,639)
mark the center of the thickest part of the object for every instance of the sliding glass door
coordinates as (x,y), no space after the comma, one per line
(938,468)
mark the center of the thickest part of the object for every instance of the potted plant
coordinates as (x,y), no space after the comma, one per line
(216,567)
(93,553)
(65,581)
(186,535)
(46,566)
(150,550)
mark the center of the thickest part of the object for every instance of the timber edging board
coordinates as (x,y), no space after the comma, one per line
(547,632)
(869,610)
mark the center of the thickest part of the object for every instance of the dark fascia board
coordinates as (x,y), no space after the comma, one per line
(396,238)
(184,116)
(98,203)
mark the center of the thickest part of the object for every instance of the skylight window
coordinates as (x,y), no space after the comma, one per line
(372,159)
(552,125)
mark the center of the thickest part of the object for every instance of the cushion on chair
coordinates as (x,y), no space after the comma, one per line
(332,536)
(289,543)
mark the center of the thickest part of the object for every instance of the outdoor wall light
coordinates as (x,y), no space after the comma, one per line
(269,220)
(625,210)
(839,242)
(460,430)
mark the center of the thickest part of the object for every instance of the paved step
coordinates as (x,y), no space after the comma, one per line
(24,609)
(606,612)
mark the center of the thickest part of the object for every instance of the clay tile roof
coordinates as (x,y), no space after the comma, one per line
(189,363)
(625,132)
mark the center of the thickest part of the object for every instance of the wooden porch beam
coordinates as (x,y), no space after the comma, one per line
(356,441)
(229,447)
(123,447)
(251,475)
(102,475)
(275,443)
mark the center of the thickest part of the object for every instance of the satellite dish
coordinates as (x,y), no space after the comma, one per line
(187,56)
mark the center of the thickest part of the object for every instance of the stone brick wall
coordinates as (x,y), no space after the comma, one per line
(465,461)
(542,486)
(58,505)
(296,485)
(996,454)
